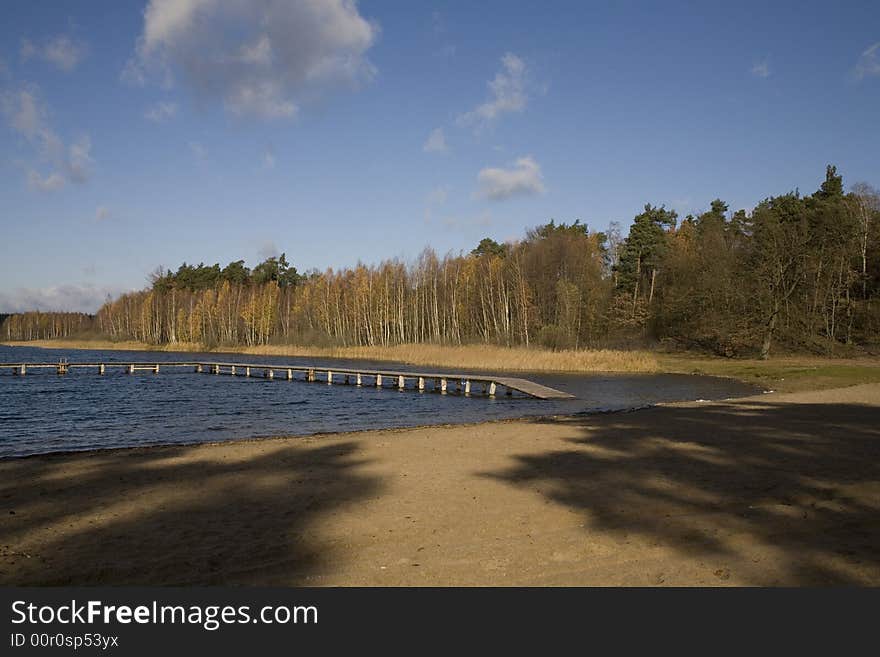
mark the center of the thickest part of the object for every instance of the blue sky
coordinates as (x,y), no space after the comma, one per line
(139,134)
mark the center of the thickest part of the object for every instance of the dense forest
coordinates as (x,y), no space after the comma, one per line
(45,326)
(798,271)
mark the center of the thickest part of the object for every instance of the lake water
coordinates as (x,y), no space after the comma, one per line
(43,412)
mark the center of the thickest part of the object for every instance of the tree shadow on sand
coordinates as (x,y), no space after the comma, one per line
(798,481)
(177,515)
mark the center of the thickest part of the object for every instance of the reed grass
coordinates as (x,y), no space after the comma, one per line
(485,357)
(784,374)
(477,357)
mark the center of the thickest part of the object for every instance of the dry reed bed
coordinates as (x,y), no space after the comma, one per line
(484,357)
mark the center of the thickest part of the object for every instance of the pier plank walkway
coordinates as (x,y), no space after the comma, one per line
(533,389)
(435,381)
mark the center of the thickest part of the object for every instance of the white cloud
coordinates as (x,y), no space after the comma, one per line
(257,57)
(761,69)
(259,52)
(85,298)
(161,112)
(27,49)
(264,99)
(507,93)
(523,178)
(436,142)
(133,73)
(62,52)
(869,62)
(50,183)
(27,115)
(79,161)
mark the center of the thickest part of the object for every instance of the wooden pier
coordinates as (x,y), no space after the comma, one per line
(441,382)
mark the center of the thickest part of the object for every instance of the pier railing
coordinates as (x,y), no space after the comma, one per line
(442,382)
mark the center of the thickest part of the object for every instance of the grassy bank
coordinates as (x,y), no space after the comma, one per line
(784,374)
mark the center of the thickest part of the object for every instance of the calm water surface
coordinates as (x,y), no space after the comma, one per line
(43,412)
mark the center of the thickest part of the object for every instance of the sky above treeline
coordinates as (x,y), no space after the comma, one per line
(139,134)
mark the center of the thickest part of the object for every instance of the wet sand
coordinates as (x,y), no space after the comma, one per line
(769,490)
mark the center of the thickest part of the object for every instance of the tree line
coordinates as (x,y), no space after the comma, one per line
(798,271)
(45,326)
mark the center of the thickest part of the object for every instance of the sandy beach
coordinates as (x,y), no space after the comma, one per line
(780,489)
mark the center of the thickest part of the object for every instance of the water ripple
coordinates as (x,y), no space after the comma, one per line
(43,412)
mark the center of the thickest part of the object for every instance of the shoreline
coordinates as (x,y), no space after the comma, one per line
(781,373)
(343,434)
(533,416)
(477,357)
(778,489)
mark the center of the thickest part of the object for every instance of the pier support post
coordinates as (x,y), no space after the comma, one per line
(467,387)
(378,380)
(269,374)
(247,371)
(401,383)
(101,368)
(329,377)
(156,369)
(290,374)
(130,369)
(492,389)
(232,370)
(216,369)
(310,375)
(199,369)
(443,386)
(358,382)
(421,383)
